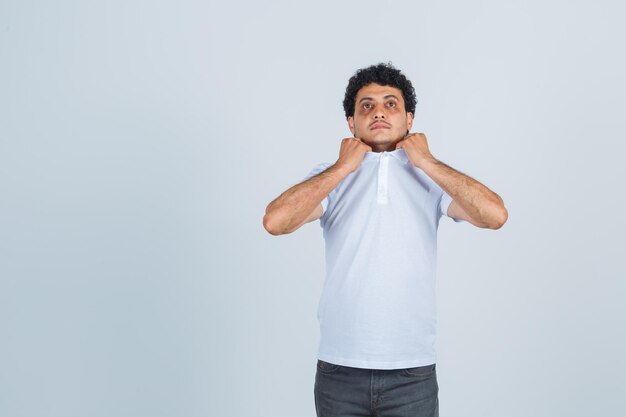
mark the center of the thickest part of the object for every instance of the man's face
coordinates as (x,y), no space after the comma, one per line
(380,118)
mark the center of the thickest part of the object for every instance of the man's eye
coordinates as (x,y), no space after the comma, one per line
(392,102)
(366,105)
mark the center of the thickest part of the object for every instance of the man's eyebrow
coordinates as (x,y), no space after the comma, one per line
(386,97)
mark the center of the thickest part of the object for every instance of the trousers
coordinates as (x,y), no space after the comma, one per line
(344,391)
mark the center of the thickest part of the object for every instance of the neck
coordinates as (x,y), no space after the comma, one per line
(387,147)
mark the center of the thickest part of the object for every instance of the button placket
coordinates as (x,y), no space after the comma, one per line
(382,179)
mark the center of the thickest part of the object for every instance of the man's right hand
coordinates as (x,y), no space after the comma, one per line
(351,153)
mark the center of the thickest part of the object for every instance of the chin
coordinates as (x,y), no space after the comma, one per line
(381,139)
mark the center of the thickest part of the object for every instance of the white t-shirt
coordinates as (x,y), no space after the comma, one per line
(377,308)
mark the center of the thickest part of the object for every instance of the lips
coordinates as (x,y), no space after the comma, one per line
(379,126)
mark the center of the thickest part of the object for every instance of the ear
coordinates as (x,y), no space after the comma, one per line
(351,124)
(409,121)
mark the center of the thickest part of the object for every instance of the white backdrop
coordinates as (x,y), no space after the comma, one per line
(140,142)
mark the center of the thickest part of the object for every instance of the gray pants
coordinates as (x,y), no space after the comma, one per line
(344,391)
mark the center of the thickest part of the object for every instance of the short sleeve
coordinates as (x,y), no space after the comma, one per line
(316,170)
(444,203)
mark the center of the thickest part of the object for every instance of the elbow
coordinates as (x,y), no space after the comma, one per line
(502,217)
(270,227)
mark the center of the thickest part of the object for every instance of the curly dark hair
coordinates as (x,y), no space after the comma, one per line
(383,74)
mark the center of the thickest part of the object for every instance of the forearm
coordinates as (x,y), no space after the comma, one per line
(289,210)
(479,202)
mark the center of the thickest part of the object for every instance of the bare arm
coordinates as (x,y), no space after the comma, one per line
(471,200)
(301,203)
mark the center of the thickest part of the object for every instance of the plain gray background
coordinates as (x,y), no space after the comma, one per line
(140,143)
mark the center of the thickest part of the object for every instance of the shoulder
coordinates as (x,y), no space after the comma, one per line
(317,169)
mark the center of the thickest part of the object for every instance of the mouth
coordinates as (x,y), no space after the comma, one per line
(379,126)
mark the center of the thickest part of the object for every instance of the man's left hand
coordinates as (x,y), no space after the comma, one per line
(416,147)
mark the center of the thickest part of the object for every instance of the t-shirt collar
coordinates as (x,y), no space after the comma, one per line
(399,154)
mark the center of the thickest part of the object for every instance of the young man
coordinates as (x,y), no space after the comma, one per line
(379,205)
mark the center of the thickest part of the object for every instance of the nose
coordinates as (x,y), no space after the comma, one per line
(379,114)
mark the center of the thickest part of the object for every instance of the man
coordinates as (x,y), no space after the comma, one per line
(379,205)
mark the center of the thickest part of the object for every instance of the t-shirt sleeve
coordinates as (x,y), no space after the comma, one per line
(316,170)
(444,203)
